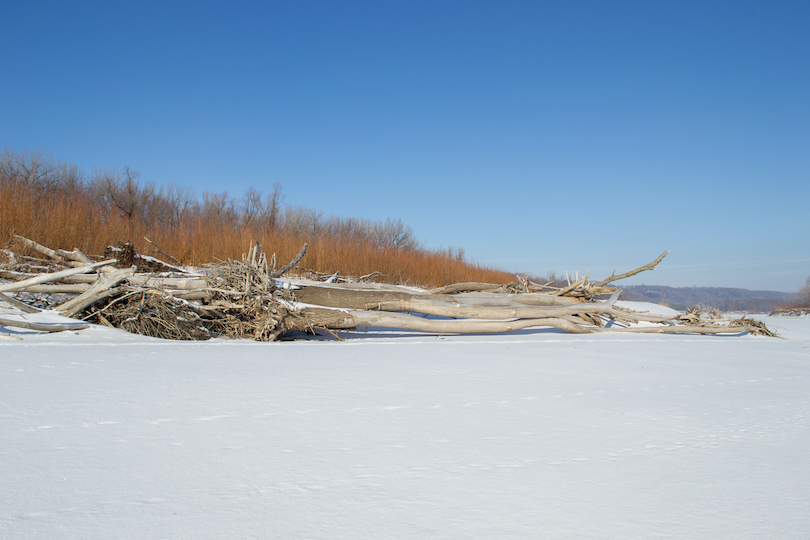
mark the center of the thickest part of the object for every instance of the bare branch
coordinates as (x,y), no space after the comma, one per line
(650,266)
(292,263)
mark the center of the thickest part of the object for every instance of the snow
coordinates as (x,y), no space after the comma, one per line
(534,434)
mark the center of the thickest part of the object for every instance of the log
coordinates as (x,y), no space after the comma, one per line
(43,327)
(38,247)
(43,278)
(342,297)
(101,295)
(513,300)
(106,281)
(572,286)
(464,287)
(681,329)
(334,319)
(19,305)
(184,284)
(444,309)
(20,276)
(73,258)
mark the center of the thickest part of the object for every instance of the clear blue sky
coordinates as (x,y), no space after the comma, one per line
(568,136)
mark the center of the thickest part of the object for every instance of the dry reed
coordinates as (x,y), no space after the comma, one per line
(74,219)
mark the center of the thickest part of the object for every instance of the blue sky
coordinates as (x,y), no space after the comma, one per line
(567,136)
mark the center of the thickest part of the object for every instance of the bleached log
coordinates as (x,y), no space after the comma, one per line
(43,278)
(184,284)
(352,297)
(513,300)
(74,255)
(72,258)
(20,276)
(100,295)
(464,287)
(639,317)
(339,319)
(444,309)
(681,329)
(19,305)
(43,327)
(38,247)
(297,282)
(572,286)
(106,281)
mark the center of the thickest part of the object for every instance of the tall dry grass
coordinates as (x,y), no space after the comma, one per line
(70,215)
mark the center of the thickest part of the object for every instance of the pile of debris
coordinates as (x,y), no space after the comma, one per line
(251,298)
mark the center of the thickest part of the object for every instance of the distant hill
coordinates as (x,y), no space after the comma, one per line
(722,298)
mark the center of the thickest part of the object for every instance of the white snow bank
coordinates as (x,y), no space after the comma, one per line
(535,434)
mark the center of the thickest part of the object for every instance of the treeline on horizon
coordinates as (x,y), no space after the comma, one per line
(56,204)
(722,298)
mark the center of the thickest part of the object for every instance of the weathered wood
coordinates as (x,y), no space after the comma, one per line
(287,267)
(74,255)
(349,298)
(512,300)
(19,305)
(311,318)
(97,297)
(572,286)
(613,277)
(38,248)
(20,276)
(43,278)
(246,299)
(682,329)
(106,281)
(183,284)
(43,327)
(464,287)
(445,309)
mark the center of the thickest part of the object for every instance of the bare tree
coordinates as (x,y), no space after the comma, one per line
(39,170)
(218,207)
(273,205)
(122,191)
(252,207)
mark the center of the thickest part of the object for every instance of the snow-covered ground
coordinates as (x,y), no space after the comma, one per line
(535,434)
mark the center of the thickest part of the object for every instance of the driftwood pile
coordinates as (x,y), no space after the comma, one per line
(251,298)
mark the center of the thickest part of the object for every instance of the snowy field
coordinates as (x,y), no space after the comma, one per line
(535,434)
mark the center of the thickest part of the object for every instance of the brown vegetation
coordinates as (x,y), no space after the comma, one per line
(56,204)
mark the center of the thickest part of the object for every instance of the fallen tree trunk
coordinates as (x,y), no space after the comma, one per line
(95,292)
(19,305)
(21,285)
(43,327)
(444,309)
(334,319)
